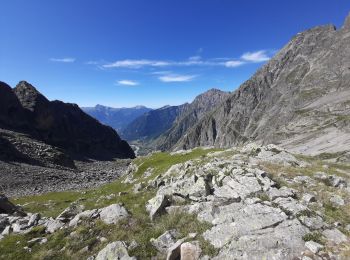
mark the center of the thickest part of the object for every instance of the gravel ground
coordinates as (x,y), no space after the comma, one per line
(19,179)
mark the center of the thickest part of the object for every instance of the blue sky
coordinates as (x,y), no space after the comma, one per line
(155,52)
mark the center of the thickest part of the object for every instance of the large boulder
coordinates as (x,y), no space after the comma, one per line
(156,206)
(113,213)
(8,207)
(113,251)
(190,250)
(164,241)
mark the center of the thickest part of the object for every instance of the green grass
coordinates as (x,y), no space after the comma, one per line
(161,161)
(61,245)
(335,214)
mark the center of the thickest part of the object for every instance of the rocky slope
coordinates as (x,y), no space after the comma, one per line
(25,111)
(200,106)
(251,202)
(118,118)
(299,99)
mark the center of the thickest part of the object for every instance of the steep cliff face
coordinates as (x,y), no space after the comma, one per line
(12,114)
(201,105)
(62,125)
(300,99)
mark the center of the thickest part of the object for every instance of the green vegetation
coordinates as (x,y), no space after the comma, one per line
(72,243)
(161,161)
(314,236)
(335,214)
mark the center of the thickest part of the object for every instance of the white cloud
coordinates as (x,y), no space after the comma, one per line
(177,78)
(136,64)
(246,58)
(234,63)
(65,60)
(126,82)
(195,58)
(258,56)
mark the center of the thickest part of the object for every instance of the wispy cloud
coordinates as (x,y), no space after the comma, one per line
(162,72)
(195,58)
(176,78)
(126,82)
(246,58)
(64,60)
(258,56)
(234,63)
(136,64)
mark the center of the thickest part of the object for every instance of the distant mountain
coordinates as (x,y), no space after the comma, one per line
(153,123)
(163,127)
(32,127)
(300,99)
(118,118)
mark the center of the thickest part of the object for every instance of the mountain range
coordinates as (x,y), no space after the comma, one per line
(117,118)
(299,100)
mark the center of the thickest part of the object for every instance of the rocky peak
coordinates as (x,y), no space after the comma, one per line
(29,96)
(346,25)
(210,96)
(11,111)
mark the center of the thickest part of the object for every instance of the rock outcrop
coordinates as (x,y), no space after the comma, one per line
(252,215)
(192,113)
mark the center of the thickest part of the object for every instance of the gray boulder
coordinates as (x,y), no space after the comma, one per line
(156,205)
(190,250)
(335,236)
(90,214)
(164,241)
(70,212)
(53,225)
(113,251)
(113,213)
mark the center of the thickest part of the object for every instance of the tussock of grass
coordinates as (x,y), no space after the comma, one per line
(162,161)
(314,236)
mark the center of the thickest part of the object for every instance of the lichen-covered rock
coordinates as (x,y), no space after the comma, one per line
(53,225)
(115,250)
(113,213)
(165,241)
(190,250)
(156,205)
(88,214)
(70,212)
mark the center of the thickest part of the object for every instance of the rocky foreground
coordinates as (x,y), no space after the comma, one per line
(255,202)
